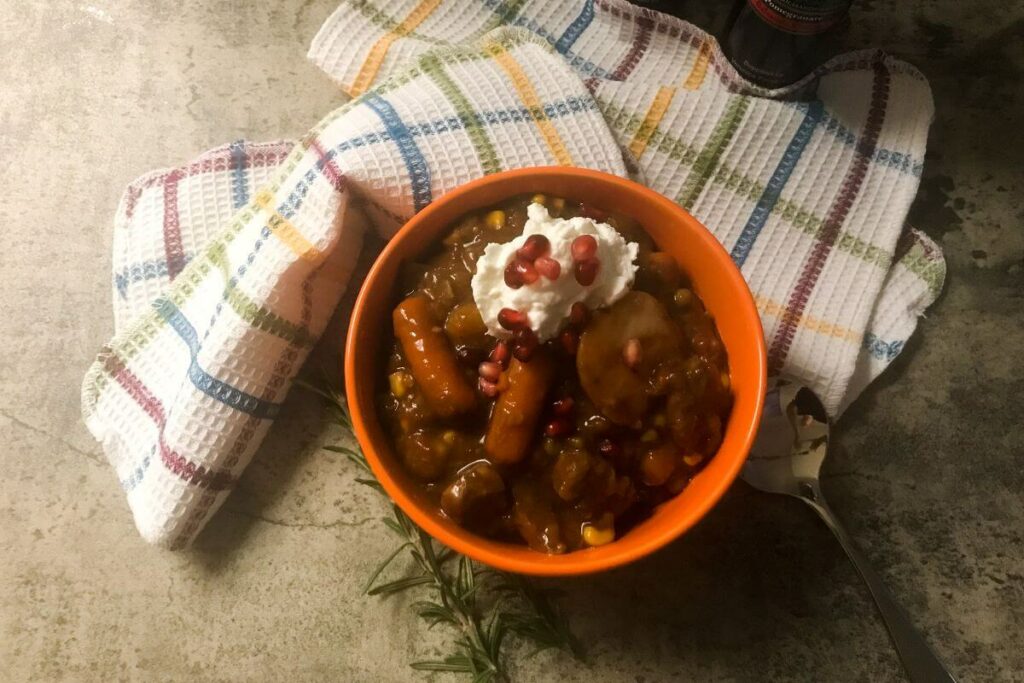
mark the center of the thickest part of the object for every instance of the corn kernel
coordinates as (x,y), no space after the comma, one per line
(400,382)
(539,199)
(495,220)
(650,436)
(693,459)
(659,420)
(593,536)
(557,204)
(601,533)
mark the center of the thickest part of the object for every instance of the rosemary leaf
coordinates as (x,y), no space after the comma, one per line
(353,455)
(435,613)
(496,630)
(442,666)
(399,585)
(403,519)
(394,526)
(465,582)
(382,566)
(371,483)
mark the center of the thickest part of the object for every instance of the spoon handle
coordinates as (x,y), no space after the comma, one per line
(919,660)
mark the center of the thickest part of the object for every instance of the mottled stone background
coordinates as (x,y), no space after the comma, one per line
(927,469)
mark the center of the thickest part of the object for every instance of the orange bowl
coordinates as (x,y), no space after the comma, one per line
(715,279)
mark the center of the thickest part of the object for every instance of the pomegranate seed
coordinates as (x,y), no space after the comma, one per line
(490,371)
(500,354)
(489,389)
(588,211)
(586,271)
(512,276)
(524,344)
(563,406)
(511,319)
(632,353)
(578,314)
(525,271)
(570,341)
(558,427)
(548,267)
(533,248)
(583,248)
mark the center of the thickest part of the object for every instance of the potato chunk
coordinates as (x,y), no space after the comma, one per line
(619,388)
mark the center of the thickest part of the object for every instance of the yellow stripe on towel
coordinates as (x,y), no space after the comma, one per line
(375,57)
(776,310)
(664,98)
(651,120)
(529,97)
(700,67)
(287,233)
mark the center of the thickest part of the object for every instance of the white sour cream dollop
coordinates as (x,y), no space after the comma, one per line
(546,302)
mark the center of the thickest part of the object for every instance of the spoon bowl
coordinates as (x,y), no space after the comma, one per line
(792,443)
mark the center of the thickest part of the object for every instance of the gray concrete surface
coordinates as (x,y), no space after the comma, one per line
(927,471)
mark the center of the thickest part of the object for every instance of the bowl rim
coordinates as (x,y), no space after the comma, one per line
(577,562)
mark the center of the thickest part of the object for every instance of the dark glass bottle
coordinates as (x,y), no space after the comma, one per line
(776,42)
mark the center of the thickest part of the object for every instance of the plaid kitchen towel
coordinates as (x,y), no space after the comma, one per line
(258,244)
(227,269)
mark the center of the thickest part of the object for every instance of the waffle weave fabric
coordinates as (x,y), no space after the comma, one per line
(227,269)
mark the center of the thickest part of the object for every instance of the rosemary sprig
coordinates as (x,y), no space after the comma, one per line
(481,604)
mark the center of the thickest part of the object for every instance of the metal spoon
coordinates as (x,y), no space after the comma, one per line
(786,458)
